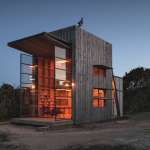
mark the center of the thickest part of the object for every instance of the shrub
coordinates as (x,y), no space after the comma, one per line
(9,102)
(136,90)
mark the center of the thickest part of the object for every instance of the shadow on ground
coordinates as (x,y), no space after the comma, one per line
(5,143)
(101,147)
(129,134)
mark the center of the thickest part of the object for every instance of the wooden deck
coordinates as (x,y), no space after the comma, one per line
(41,122)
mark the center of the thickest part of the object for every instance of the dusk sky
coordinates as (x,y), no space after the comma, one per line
(124,23)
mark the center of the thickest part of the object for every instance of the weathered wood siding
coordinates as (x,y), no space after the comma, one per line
(119,87)
(91,50)
(88,50)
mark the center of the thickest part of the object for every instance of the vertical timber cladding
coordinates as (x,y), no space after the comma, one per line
(88,50)
(119,88)
(91,50)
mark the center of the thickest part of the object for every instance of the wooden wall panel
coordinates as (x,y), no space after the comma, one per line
(91,50)
(88,50)
(119,86)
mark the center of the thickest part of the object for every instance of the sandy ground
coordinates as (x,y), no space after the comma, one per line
(134,131)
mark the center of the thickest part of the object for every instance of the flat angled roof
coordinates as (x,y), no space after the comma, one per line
(40,44)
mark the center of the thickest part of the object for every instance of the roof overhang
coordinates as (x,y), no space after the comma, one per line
(40,44)
(102,66)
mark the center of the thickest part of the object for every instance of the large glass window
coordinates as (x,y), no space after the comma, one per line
(60,63)
(27,70)
(60,52)
(63,88)
(28,85)
(60,74)
(47,83)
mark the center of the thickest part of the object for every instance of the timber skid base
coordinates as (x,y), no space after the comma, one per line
(41,122)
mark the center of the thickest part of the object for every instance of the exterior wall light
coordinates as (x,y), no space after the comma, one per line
(33,66)
(73,84)
(33,86)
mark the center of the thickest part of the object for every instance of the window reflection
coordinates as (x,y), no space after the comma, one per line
(60,63)
(63,88)
(60,52)
(60,74)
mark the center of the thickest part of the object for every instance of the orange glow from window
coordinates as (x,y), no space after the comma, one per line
(101,103)
(66,85)
(62,61)
(101,93)
(95,92)
(98,98)
(95,103)
(113,89)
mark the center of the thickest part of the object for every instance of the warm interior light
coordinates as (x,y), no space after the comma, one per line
(33,66)
(66,84)
(63,90)
(61,61)
(73,84)
(60,89)
(33,86)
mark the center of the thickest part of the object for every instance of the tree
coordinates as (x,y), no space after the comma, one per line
(6,99)
(137,90)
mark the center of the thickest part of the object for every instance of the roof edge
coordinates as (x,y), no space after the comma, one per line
(46,34)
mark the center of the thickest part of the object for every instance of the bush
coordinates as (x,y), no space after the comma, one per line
(136,90)
(9,103)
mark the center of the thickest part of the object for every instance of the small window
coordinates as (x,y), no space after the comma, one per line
(99,98)
(97,71)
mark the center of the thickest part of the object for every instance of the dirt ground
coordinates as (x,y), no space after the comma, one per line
(130,134)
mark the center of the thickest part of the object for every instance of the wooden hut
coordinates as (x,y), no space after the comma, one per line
(67,75)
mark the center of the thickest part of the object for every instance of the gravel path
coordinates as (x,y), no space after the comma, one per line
(118,135)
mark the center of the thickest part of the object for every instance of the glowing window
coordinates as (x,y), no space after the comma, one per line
(99,98)
(60,63)
(60,74)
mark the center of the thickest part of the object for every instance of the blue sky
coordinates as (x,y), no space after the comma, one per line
(124,23)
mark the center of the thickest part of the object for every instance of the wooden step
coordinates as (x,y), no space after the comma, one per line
(41,122)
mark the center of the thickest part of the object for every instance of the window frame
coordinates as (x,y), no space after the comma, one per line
(99,71)
(98,98)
